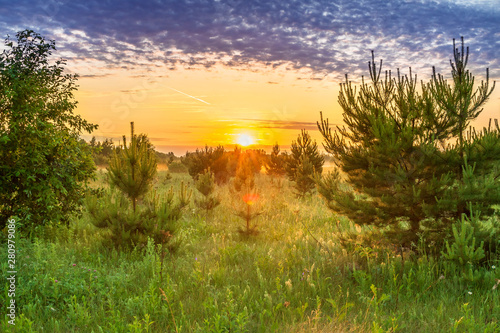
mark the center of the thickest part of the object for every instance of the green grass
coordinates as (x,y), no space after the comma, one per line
(282,280)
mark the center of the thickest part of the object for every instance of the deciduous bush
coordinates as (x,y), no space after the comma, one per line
(44,165)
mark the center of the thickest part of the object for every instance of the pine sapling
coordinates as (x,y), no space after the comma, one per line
(244,181)
(133,168)
(303,163)
(206,186)
(248,214)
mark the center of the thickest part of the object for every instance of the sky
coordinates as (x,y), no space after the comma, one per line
(190,73)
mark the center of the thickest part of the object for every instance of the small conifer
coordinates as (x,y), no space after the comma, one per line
(248,214)
(244,180)
(303,163)
(133,168)
(206,186)
(276,163)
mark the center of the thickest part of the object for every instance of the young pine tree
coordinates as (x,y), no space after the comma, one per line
(214,158)
(412,166)
(276,163)
(133,168)
(206,186)
(248,214)
(244,184)
(155,218)
(244,180)
(303,163)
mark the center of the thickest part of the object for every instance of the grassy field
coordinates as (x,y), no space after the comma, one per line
(293,277)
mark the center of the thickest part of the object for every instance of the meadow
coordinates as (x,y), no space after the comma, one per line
(294,276)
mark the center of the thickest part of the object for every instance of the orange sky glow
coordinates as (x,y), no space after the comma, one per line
(184,109)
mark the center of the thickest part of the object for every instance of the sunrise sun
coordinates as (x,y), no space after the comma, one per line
(245,140)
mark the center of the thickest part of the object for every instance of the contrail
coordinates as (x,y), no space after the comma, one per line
(198,99)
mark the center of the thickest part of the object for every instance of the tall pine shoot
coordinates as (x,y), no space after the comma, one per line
(133,168)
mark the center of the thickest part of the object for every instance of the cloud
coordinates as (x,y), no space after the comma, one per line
(325,36)
(284,124)
(93,76)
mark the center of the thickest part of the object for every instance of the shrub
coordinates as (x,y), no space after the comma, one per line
(101,151)
(44,164)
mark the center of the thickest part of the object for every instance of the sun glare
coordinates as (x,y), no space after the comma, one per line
(245,140)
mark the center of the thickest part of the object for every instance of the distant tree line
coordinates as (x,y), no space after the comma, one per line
(103,151)
(224,164)
(300,166)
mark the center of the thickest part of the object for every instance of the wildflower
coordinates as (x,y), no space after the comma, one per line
(469,292)
(56,281)
(289,284)
(286,304)
(493,267)
(74,265)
